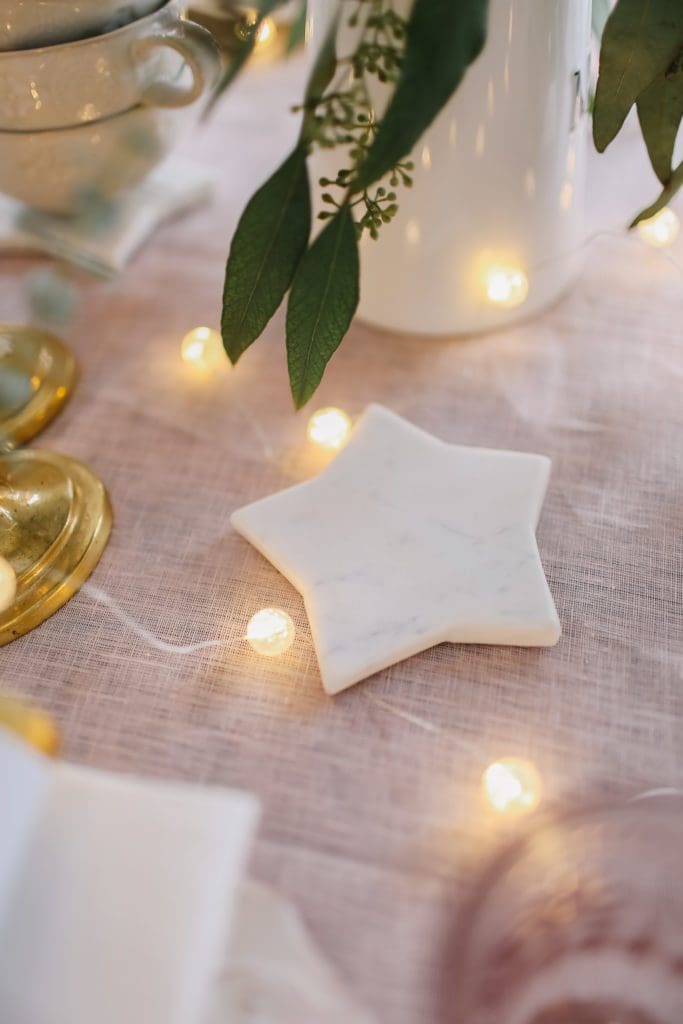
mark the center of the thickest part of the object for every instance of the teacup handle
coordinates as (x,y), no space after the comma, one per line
(197,47)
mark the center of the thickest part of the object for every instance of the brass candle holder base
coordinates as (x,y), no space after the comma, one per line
(37,375)
(55,521)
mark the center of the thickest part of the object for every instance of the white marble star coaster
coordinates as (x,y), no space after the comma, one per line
(404,542)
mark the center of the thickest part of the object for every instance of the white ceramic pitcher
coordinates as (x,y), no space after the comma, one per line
(491,232)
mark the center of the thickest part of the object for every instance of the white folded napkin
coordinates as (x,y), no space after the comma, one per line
(124,901)
(105,248)
(122,908)
(23,786)
(274,974)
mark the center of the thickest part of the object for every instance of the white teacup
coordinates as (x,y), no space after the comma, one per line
(65,170)
(30,23)
(61,86)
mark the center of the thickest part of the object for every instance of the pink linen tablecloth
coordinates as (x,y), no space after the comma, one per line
(372,805)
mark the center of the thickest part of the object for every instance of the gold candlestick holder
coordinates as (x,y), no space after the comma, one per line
(37,376)
(55,515)
(55,520)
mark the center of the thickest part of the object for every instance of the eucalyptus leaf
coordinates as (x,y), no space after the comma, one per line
(322,303)
(325,65)
(442,39)
(266,249)
(660,110)
(322,73)
(642,39)
(665,197)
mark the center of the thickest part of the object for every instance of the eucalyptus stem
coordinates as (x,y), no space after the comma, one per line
(344,117)
(422,59)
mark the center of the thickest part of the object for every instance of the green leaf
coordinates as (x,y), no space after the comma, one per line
(266,249)
(642,38)
(322,303)
(321,75)
(442,39)
(660,110)
(325,64)
(667,194)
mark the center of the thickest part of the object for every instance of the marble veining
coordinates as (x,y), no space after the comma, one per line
(404,542)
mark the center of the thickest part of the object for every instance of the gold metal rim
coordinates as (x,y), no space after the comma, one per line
(58,571)
(50,391)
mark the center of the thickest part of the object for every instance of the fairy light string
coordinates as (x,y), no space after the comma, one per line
(510,784)
(332,437)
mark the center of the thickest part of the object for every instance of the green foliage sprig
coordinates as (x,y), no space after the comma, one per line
(641,63)
(344,118)
(423,58)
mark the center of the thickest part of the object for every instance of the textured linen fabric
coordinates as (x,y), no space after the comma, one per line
(372,807)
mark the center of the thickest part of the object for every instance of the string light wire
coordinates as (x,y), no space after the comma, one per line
(102,597)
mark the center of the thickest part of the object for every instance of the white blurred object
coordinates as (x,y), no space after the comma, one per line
(94,79)
(275,974)
(173,189)
(124,901)
(23,785)
(122,907)
(499,178)
(27,24)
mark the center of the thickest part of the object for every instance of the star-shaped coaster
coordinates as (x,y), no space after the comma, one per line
(404,542)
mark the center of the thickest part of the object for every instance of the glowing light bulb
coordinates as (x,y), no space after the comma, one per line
(266,33)
(202,348)
(506,286)
(329,428)
(8,584)
(660,230)
(512,785)
(270,632)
